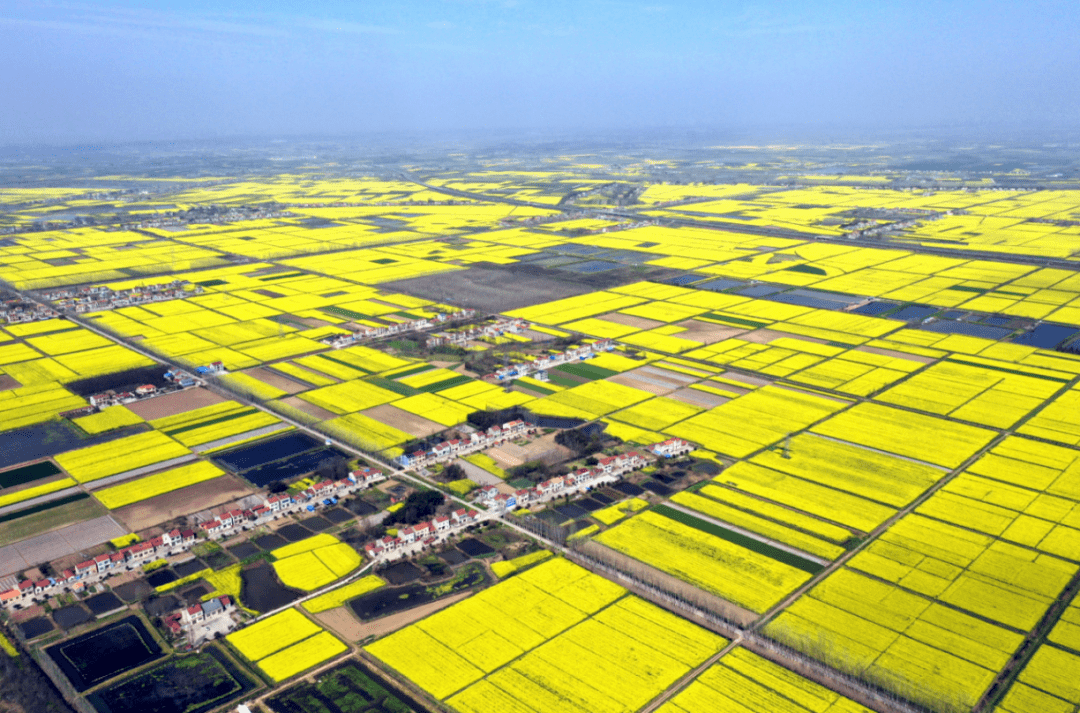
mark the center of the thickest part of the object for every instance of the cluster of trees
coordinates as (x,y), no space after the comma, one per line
(419,506)
(586,440)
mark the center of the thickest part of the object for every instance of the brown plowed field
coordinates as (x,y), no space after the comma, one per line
(403,420)
(172,404)
(193,498)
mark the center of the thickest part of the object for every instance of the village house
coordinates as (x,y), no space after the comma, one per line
(671,448)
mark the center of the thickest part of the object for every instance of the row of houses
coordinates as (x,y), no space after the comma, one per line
(362,333)
(490,330)
(426,533)
(273,505)
(543,362)
(92,569)
(475,441)
(606,470)
(100,297)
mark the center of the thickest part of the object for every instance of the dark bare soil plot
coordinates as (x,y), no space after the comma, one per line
(244,550)
(361,507)
(195,594)
(134,591)
(104,603)
(271,542)
(338,515)
(104,653)
(475,548)
(24,688)
(295,532)
(185,684)
(401,573)
(162,605)
(36,627)
(454,556)
(186,569)
(571,511)
(71,616)
(317,523)
(628,489)
(162,576)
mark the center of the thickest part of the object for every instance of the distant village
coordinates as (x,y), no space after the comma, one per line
(100,297)
(360,333)
(16,310)
(538,365)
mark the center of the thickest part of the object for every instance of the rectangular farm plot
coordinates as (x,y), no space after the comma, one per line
(371,434)
(1047,684)
(27,405)
(925,438)
(656,414)
(995,580)
(1022,491)
(111,418)
(272,634)
(435,408)
(740,575)
(899,640)
(776,531)
(553,638)
(595,399)
(212,423)
(167,481)
(1057,421)
(743,682)
(314,562)
(121,455)
(755,420)
(349,396)
(285,644)
(300,657)
(860,471)
(991,393)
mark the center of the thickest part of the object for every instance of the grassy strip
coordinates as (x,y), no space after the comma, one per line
(741,540)
(445,384)
(342,312)
(736,321)
(211,422)
(409,372)
(586,371)
(43,507)
(344,363)
(533,387)
(559,380)
(391,385)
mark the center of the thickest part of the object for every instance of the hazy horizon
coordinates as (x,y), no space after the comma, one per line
(168,71)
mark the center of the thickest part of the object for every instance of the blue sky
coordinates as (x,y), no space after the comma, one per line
(78,71)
